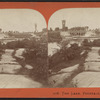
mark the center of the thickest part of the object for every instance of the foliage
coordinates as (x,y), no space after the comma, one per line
(64,55)
(57,29)
(2,50)
(99,52)
(54,36)
(97,31)
(95,43)
(36,56)
(17,34)
(78,30)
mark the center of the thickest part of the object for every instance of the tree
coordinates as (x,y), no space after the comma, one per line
(36,56)
(51,29)
(57,29)
(97,31)
(85,42)
(54,37)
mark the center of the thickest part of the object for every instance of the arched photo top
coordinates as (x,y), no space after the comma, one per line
(75,17)
(23,49)
(21,20)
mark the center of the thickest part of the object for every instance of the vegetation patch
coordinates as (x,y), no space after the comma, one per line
(35,55)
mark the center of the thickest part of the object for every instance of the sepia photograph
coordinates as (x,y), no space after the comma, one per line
(74,48)
(23,49)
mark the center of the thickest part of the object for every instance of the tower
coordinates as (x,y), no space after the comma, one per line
(36,28)
(63,24)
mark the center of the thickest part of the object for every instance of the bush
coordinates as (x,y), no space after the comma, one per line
(54,37)
(36,56)
(65,55)
(99,52)
(95,43)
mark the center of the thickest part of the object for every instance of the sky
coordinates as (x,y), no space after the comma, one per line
(21,20)
(76,17)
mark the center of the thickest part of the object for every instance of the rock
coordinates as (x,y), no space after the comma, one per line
(63,75)
(28,67)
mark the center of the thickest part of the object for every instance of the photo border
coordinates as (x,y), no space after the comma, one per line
(47,9)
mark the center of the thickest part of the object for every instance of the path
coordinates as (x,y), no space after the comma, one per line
(17,81)
(91,76)
(8,79)
(8,64)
